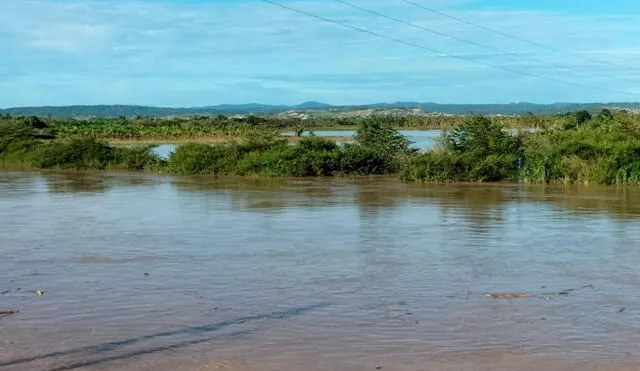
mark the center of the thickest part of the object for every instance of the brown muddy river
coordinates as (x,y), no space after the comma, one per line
(145,272)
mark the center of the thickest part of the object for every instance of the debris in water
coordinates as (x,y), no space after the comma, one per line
(545,295)
(509,296)
(467,293)
(621,309)
(147,274)
(38,292)
(6,313)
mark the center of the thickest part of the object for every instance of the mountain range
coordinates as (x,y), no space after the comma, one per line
(313,108)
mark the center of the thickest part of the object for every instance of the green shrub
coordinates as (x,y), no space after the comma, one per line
(360,160)
(572,148)
(379,136)
(315,156)
(136,158)
(440,166)
(74,154)
(273,162)
(483,151)
(310,157)
(197,158)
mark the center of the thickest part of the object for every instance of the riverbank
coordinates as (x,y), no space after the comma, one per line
(603,149)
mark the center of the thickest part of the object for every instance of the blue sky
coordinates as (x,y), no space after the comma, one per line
(206,52)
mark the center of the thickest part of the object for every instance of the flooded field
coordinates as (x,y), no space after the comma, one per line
(420,139)
(144,272)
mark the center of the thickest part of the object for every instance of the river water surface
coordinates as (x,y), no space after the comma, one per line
(145,272)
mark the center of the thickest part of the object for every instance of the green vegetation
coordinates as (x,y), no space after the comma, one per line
(582,148)
(257,152)
(141,128)
(312,156)
(152,129)
(575,147)
(30,142)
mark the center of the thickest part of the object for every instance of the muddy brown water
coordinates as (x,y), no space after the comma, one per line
(146,272)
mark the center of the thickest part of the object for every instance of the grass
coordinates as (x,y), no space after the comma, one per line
(214,128)
(576,148)
(604,149)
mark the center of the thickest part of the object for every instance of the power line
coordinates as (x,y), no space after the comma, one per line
(469,42)
(433,50)
(517,38)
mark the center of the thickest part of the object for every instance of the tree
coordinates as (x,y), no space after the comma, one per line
(577,119)
(381,137)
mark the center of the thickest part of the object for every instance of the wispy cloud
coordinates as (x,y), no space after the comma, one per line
(173,52)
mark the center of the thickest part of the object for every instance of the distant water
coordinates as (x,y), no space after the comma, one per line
(421,139)
(143,272)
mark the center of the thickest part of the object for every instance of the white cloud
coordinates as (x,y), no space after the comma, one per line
(68,37)
(198,53)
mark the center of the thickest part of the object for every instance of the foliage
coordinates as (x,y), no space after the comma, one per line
(360,160)
(380,137)
(440,166)
(478,150)
(74,154)
(216,126)
(196,158)
(135,158)
(579,147)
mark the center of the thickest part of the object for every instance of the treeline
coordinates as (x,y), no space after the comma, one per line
(153,128)
(315,107)
(604,149)
(578,147)
(379,149)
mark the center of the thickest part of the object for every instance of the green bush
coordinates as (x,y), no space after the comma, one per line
(136,158)
(272,162)
(575,147)
(360,160)
(440,166)
(315,156)
(379,136)
(541,163)
(197,158)
(478,150)
(310,157)
(74,154)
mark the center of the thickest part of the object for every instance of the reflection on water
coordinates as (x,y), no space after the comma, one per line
(148,272)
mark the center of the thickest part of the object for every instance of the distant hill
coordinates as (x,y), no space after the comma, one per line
(312,108)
